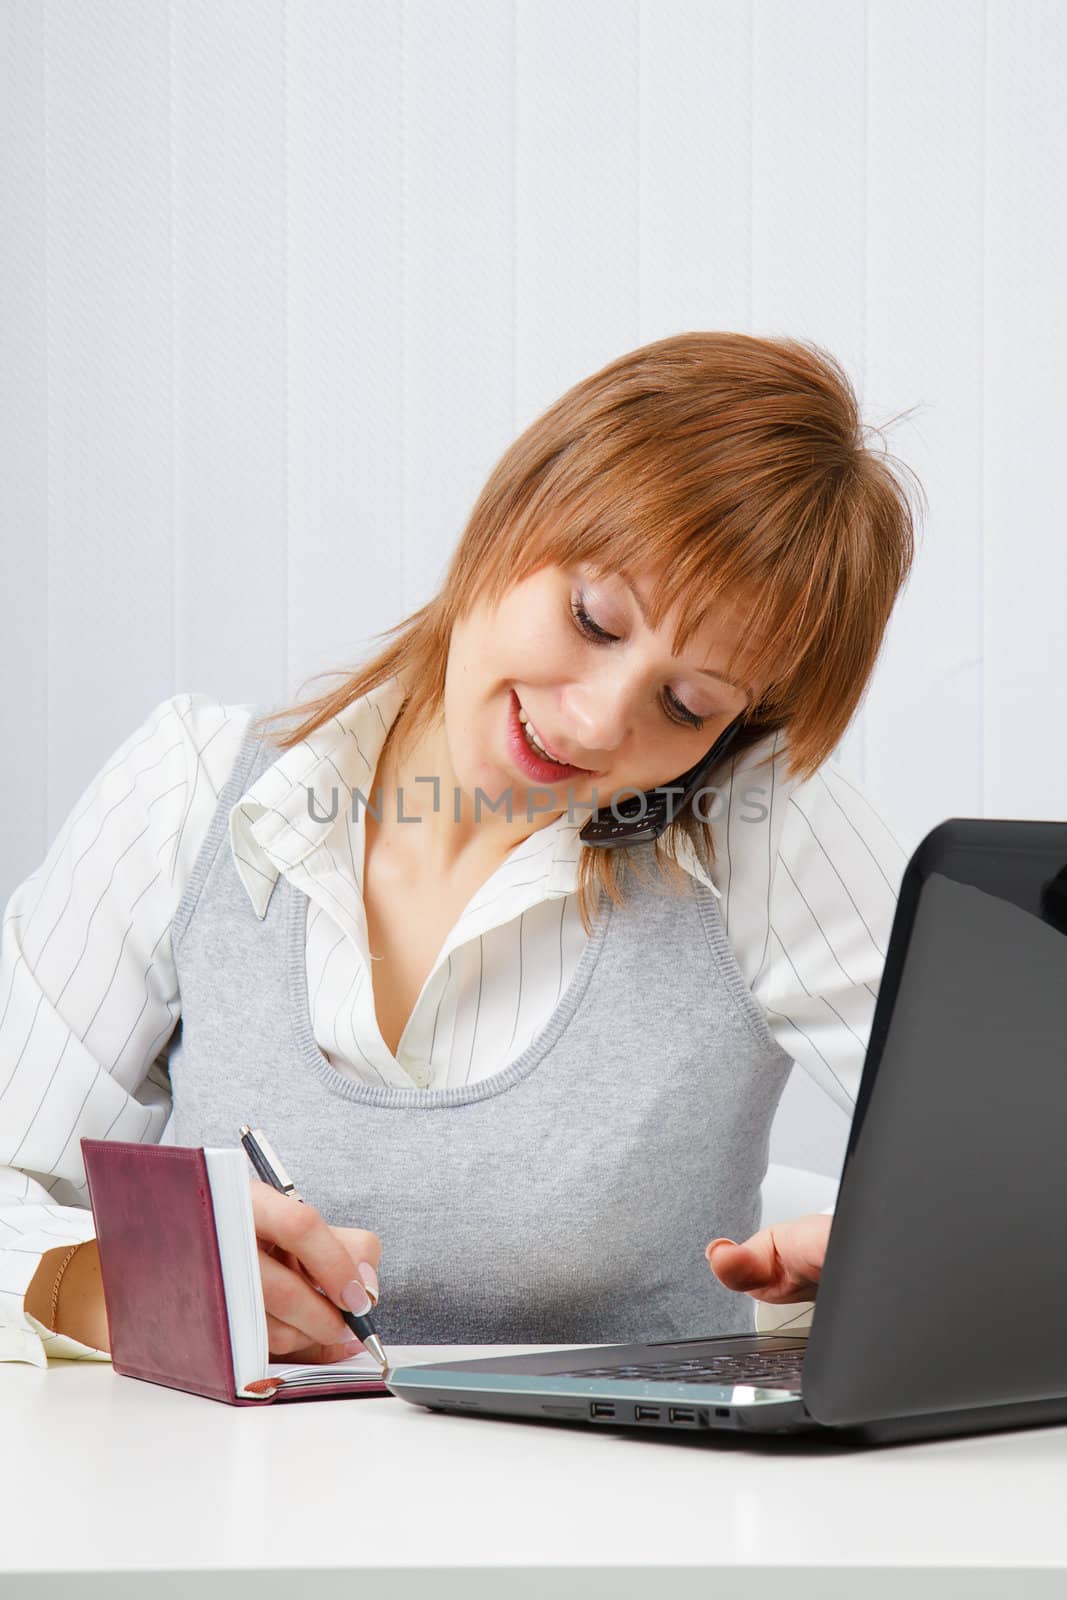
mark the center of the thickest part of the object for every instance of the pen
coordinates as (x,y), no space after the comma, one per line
(270,1169)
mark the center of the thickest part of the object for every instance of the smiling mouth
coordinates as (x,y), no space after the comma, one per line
(527,732)
(534,738)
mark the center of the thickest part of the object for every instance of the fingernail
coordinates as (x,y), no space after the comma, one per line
(356,1298)
(714,1242)
(370,1280)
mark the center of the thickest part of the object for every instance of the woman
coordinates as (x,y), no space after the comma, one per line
(541,1073)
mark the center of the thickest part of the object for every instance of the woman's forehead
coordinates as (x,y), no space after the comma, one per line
(712,616)
(720,624)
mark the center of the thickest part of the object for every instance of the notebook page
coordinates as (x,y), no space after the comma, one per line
(326,1372)
(235,1226)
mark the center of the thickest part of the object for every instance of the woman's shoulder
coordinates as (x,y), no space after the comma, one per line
(781,828)
(851,819)
(200,734)
(216,727)
(174,767)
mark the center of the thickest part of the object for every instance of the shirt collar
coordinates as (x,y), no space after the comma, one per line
(297,802)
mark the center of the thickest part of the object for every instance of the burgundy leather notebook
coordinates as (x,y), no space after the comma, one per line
(179,1263)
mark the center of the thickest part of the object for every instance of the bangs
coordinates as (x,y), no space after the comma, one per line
(735,473)
(784,596)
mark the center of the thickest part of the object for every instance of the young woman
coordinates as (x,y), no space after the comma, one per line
(538,1074)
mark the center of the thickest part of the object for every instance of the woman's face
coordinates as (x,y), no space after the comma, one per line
(624,709)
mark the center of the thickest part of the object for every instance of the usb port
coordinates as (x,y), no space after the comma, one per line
(600,1408)
(682,1414)
(646,1413)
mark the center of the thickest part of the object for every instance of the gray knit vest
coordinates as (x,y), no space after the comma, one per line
(569,1197)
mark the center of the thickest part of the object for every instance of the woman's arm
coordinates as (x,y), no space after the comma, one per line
(828,914)
(88,995)
(833,894)
(73,1286)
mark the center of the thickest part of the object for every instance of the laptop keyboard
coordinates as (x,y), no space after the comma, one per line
(771,1369)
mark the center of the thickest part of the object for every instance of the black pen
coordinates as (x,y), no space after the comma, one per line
(270,1169)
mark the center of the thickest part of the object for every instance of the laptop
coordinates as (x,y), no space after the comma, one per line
(942,1305)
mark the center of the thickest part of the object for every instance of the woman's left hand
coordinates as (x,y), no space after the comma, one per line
(778,1264)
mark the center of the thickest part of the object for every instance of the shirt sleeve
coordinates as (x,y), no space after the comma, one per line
(833,894)
(88,988)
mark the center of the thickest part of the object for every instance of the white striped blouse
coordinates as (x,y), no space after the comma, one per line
(807,875)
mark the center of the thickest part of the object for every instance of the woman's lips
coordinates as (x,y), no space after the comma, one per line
(535,766)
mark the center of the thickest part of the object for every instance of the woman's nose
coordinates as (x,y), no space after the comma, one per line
(595,716)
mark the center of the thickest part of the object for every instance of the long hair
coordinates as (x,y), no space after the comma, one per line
(736,468)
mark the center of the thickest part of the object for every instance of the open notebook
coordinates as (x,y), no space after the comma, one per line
(179,1263)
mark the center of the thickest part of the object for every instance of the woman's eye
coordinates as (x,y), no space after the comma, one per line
(684,712)
(679,712)
(587,625)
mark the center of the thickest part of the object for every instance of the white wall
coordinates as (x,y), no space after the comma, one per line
(281,281)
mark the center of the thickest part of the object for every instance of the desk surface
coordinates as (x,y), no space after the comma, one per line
(114,1487)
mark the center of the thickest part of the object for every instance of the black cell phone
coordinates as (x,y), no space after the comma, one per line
(643,817)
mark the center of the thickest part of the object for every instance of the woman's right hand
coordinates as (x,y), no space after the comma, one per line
(299,1252)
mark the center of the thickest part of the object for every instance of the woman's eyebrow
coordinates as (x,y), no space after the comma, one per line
(708,672)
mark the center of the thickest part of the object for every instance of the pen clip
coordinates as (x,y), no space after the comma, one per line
(265,1160)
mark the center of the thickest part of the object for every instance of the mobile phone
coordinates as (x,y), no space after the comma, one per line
(643,817)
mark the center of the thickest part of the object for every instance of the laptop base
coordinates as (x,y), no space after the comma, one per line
(553,1387)
(790,1418)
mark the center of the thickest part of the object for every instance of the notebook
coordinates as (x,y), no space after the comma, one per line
(179,1263)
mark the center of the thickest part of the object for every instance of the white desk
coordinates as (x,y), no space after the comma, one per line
(116,1488)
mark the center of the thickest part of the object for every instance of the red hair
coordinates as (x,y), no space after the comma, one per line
(735,468)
